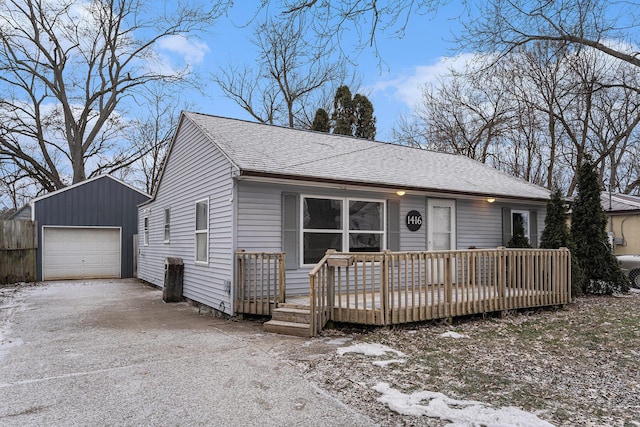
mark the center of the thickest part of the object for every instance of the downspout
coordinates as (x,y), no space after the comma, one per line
(612,235)
(233,200)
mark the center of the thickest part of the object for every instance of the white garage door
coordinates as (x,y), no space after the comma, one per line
(80,253)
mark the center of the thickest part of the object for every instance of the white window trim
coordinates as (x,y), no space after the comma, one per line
(167,225)
(196,232)
(524,213)
(145,230)
(345,231)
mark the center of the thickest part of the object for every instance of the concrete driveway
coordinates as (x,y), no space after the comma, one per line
(110,352)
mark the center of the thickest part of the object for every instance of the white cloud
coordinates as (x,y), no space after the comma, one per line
(191,51)
(406,88)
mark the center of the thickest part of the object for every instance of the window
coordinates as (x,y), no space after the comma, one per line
(145,231)
(520,218)
(167,224)
(202,231)
(327,225)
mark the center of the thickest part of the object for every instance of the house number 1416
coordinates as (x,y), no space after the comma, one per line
(414,220)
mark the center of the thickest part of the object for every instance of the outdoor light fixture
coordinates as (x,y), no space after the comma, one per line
(401,192)
(491,199)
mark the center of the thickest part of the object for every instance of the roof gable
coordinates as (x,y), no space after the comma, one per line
(267,150)
(85,182)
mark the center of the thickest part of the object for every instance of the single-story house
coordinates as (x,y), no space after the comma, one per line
(229,185)
(623,217)
(86,230)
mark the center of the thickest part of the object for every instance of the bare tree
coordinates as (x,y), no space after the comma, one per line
(606,26)
(289,70)
(571,76)
(68,70)
(537,115)
(332,21)
(464,114)
(153,134)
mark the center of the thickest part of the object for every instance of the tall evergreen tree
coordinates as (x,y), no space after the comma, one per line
(602,275)
(321,121)
(556,235)
(518,240)
(556,231)
(365,122)
(343,115)
(353,116)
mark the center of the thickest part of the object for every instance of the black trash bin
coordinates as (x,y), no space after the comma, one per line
(173,272)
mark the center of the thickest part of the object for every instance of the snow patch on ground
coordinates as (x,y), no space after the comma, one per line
(11,302)
(340,341)
(369,350)
(459,413)
(454,335)
(385,363)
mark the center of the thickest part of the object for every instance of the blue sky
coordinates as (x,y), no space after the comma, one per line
(393,88)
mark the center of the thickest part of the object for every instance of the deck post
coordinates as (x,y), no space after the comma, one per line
(331,286)
(240,280)
(384,288)
(282,288)
(448,287)
(502,277)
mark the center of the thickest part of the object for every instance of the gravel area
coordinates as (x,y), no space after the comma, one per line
(576,365)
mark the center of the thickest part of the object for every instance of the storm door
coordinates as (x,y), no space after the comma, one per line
(441,225)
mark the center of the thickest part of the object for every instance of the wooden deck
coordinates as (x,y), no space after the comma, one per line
(389,288)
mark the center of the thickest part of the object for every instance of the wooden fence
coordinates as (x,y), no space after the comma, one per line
(399,287)
(18,244)
(260,281)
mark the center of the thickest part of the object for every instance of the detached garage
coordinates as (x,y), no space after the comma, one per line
(86,230)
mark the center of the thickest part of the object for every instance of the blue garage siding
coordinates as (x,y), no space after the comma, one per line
(99,202)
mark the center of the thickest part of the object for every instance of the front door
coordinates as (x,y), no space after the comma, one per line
(441,234)
(441,225)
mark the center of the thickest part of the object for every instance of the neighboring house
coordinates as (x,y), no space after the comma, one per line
(86,230)
(623,216)
(229,185)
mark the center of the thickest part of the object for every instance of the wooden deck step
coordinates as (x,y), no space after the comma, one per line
(287,314)
(297,306)
(287,328)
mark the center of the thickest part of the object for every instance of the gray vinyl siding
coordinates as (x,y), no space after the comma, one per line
(196,170)
(22,214)
(259,221)
(480,223)
(101,202)
(413,240)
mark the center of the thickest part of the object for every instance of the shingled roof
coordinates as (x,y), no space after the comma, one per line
(621,203)
(262,150)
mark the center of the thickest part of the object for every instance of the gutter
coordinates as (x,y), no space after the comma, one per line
(248,174)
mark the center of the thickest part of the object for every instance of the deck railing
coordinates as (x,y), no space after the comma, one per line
(260,281)
(389,288)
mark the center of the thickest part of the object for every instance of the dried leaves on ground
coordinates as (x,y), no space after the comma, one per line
(575,365)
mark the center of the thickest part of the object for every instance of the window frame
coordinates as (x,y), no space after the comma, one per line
(167,225)
(145,230)
(198,232)
(525,214)
(345,231)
